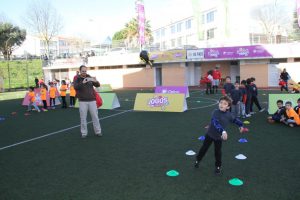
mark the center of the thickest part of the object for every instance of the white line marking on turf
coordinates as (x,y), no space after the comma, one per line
(60,131)
(216,102)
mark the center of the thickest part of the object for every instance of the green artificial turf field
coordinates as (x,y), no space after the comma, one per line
(51,161)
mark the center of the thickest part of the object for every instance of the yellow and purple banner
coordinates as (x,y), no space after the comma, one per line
(163,56)
(160,102)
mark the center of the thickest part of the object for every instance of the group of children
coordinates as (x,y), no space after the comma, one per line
(286,114)
(243,96)
(237,99)
(53,91)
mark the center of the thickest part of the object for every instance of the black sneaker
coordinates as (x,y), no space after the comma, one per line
(196,165)
(218,170)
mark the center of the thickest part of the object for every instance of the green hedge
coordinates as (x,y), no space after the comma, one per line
(22,73)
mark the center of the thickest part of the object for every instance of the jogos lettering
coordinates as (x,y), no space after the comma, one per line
(158,101)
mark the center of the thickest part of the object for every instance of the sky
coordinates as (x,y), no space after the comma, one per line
(97,19)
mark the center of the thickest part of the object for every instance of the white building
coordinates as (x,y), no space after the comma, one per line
(217,23)
(176,35)
(222,23)
(59,46)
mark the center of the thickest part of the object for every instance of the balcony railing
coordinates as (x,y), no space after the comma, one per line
(94,61)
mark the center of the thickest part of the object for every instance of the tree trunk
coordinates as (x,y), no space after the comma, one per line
(47,49)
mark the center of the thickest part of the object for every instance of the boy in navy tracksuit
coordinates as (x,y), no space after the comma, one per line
(254,98)
(236,96)
(244,98)
(249,96)
(228,86)
(216,132)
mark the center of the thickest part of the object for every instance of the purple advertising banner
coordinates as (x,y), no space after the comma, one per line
(141,21)
(236,52)
(173,90)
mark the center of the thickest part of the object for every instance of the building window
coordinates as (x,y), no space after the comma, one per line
(163,32)
(179,41)
(62,43)
(211,33)
(179,27)
(201,35)
(173,29)
(202,19)
(210,17)
(163,46)
(53,44)
(42,43)
(173,43)
(157,33)
(256,39)
(188,24)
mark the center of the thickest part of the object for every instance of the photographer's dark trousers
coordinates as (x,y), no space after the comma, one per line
(218,147)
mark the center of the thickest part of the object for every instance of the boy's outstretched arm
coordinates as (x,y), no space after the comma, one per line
(240,124)
(219,127)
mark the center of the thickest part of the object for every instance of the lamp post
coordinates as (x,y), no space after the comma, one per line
(7,58)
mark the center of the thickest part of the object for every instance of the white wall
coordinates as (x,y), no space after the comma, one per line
(273,75)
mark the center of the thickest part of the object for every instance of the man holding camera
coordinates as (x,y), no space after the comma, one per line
(84,86)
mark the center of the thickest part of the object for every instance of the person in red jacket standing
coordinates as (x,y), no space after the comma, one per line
(217,78)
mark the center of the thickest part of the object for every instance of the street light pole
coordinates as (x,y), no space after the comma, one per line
(7,58)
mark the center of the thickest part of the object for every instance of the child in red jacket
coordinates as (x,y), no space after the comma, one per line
(282,84)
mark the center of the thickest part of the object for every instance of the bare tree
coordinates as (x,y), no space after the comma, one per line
(43,19)
(3,18)
(273,18)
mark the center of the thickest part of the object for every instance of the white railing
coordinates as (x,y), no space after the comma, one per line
(95,61)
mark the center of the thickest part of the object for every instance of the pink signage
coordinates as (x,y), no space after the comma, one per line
(298,11)
(141,21)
